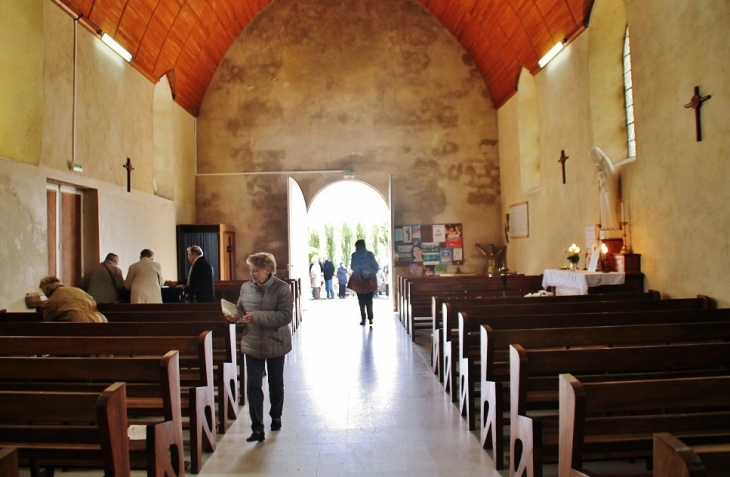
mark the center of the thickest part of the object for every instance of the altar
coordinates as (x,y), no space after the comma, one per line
(578,282)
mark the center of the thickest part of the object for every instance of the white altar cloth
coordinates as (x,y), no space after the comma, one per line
(578,282)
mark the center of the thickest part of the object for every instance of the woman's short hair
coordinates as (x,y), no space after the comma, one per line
(51,282)
(262,260)
(195,250)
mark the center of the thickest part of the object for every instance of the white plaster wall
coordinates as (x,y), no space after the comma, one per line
(114,120)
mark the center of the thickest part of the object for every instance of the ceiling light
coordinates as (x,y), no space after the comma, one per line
(119,49)
(550,54)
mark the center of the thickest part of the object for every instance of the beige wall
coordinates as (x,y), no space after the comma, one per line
(675,193)
(21,79)
(114,119)
(378,88)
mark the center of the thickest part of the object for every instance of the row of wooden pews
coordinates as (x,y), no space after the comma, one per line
(179,362)
(519,346)
(414,294)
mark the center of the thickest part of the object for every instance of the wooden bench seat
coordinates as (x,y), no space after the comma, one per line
(534,386)
(36,423)
(8,462)
(467,301)
(517,315)
(617,419)
(224,348)
(494,369)
(196,371)
(420,290)
(672,457)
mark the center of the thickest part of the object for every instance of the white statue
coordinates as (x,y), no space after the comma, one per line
(608,191)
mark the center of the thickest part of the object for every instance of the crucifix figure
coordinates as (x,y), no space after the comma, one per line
(129,168)
(562,160)
(696,103)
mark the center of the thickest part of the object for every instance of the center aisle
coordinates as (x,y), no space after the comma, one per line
(360,400)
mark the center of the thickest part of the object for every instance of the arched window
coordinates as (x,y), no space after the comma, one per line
(629,97)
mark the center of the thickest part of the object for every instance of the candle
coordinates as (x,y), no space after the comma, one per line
(622,212)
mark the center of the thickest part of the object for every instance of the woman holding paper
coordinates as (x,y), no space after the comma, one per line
(265,306)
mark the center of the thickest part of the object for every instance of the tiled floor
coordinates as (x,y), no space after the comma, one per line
(360,400)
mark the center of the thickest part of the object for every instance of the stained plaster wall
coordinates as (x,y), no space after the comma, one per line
(114,120)
(377,88)
(675,193)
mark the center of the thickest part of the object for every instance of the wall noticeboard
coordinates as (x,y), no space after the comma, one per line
(432,246)
(519,224)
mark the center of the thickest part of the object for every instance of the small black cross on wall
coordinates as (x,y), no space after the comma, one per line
(696,103)
(562,160)
(129,168)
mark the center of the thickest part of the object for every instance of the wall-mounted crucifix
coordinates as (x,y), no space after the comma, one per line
(696,103)
(562,160)
(129,168)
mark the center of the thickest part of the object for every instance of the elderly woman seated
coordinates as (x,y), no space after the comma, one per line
(68,304)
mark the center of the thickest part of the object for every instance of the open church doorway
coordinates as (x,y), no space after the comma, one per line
(338,215)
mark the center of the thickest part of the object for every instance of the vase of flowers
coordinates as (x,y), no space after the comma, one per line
(573,254)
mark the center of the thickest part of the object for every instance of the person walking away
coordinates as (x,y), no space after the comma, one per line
(315,278)
(342,280)
(363,280)
(68,304)
(144,279)
(265,306)
(328,270)
(104,281)
(200,288)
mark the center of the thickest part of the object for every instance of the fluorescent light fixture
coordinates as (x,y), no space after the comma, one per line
(119,49)
(550,54)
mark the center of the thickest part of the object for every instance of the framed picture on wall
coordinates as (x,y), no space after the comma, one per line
(519,223)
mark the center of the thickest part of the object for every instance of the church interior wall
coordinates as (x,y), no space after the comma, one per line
(675,192)
(114,120)
(376,88)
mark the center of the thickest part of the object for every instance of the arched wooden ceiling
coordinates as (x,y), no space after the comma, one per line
(187,39)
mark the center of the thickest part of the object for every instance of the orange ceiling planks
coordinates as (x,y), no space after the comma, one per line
(191,37)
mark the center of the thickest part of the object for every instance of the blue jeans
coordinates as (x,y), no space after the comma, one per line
(254,388)
(328,288)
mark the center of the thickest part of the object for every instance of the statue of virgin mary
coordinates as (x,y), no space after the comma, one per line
(608,191)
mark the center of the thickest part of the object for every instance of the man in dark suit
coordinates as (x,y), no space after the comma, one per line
(200,277)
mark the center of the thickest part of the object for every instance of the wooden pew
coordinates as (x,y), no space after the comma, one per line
(152,384)
(674,458)
(420,290)
(36,424)
(224,348)
(494,357)
(231,290)
(8,462)
(617,419)
(468,301)
(534,386)
(487,314)
(196,363)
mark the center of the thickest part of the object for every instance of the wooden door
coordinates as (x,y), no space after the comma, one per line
(64,233)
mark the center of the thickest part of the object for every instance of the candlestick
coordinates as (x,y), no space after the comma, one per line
(625,247)
(622,211)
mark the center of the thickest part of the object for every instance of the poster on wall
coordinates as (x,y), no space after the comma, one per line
(519,225)
(431,247)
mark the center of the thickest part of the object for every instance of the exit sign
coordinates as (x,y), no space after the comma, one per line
(349,175)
